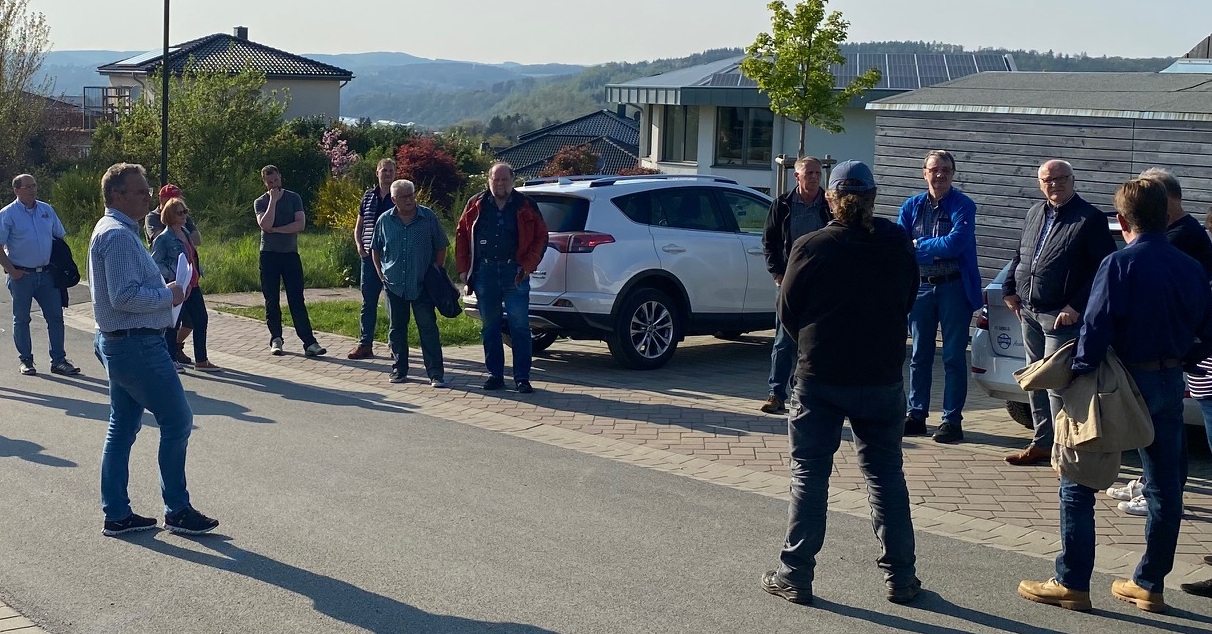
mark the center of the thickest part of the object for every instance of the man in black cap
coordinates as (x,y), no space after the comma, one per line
(847,293)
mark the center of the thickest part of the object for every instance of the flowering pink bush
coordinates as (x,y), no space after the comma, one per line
(338,153)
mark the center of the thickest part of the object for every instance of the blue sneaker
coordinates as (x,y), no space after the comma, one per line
(187,521)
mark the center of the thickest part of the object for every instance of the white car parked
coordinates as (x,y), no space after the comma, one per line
(644,261)
(997,352)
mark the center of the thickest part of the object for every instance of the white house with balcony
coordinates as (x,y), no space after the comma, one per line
(711,119)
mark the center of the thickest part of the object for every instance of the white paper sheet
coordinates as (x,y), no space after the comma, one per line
(185,273)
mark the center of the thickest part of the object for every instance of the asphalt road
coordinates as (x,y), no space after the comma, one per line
(344,514)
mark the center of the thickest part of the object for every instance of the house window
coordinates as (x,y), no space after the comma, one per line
(680,134)
(744,137)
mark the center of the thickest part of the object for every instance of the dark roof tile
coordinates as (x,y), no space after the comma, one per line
(222,52)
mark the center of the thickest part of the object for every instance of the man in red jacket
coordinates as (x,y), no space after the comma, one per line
(499,242)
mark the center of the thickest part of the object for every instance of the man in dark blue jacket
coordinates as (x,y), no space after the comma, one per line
(1151,303)
(1064,240)
(942,223)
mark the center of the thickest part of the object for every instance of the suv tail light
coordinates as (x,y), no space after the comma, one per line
(578,242)
(982,322)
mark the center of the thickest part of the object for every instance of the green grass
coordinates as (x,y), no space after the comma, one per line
(342,318)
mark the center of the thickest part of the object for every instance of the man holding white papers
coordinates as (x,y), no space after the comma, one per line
(133,306)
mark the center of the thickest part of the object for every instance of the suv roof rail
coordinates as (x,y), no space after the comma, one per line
(563,180)
(611,180)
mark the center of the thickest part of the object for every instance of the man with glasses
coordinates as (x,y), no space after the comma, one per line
(1064,240)
(133,307)
(28,228)
(942,224)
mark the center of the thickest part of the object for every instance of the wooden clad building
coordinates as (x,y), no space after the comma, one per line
(1002,126)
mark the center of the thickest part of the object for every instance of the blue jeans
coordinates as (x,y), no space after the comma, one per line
(1205,404)
(427,330)
(371,286)
(1163,462)
(815,429)
(498,296)
(142,376)
(1041,338)
(39,287)
(782,360)
(946,305)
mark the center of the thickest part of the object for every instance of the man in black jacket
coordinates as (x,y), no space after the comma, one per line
(792,215)
(1064,240)
(847,294)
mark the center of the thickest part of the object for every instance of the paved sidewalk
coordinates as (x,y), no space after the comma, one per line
(698,417)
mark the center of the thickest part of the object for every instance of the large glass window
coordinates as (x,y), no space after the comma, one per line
(680,134)
(744,137)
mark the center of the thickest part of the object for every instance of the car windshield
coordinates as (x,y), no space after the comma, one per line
(562,213)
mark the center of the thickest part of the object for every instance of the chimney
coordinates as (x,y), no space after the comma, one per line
(241,32)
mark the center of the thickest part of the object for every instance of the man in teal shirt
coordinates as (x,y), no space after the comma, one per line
(408,239)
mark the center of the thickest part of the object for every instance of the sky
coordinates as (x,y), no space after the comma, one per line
(584,32)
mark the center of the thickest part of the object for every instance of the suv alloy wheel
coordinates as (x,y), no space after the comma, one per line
(646,330)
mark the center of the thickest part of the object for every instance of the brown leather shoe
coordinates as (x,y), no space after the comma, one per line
(773,405)
(1127,590)
(361,352)
(1052,592)
(1029,456)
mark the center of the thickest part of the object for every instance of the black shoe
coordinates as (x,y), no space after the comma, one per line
(64,367)
(128,525)
(398,376)
(948,433)
(187,521)
(494,383)
(1208,559)
(914,426)
(1199,588)
(524,387)
(771,584)
(905,594)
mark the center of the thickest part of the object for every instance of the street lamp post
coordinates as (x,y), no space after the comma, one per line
(164,104)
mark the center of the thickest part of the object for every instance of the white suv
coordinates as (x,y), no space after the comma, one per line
(643,261)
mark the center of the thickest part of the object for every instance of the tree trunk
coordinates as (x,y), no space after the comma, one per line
(803,132)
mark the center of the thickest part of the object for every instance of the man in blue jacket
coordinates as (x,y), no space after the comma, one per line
(942,223)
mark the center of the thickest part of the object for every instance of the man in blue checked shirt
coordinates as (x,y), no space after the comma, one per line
(28,227)
(132,307)
(408,239)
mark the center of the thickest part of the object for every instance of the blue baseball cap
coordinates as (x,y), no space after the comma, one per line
(851,176)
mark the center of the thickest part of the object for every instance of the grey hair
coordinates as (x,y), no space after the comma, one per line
(802,163)
(942,155)
(21,177)
(1167,179)
(398,187)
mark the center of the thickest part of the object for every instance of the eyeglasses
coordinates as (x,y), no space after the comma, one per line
(941,171)
(1056,180)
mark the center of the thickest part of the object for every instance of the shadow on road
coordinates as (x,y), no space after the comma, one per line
(335,598)
(30,452)
(288,390)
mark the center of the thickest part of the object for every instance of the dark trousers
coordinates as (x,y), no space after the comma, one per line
(877,422)
(427,331)
(278,270)
(193,311)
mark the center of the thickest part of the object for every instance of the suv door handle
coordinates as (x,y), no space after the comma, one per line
(755,251)
(673,248)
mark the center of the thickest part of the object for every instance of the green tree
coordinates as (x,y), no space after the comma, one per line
(24,40)
(792,66)
(572,160)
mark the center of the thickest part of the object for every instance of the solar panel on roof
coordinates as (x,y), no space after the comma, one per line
(144,57)
(931,69)
(960,66)
(990,62)
(879,62)
(902,72)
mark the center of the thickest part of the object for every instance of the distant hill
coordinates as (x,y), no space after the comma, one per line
(438,93)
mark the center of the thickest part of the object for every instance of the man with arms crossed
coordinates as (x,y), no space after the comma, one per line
(1064,240)
(847,292)
(792,215)
(28,226)
(133,307)
(280,217)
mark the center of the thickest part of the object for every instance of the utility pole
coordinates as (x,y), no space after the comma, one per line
(164,104)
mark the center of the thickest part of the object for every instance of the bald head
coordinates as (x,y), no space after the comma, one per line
(1056,181)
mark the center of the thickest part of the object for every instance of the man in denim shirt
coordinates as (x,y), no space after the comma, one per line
(28,226)
(942,223)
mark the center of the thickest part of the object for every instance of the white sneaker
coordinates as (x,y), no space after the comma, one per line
(180,368)
(437,383)
(1136,506)
(275,346)
(1133,489)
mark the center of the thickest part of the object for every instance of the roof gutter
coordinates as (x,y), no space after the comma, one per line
(1055,112)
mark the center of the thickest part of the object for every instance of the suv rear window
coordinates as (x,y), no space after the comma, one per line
(562,213)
